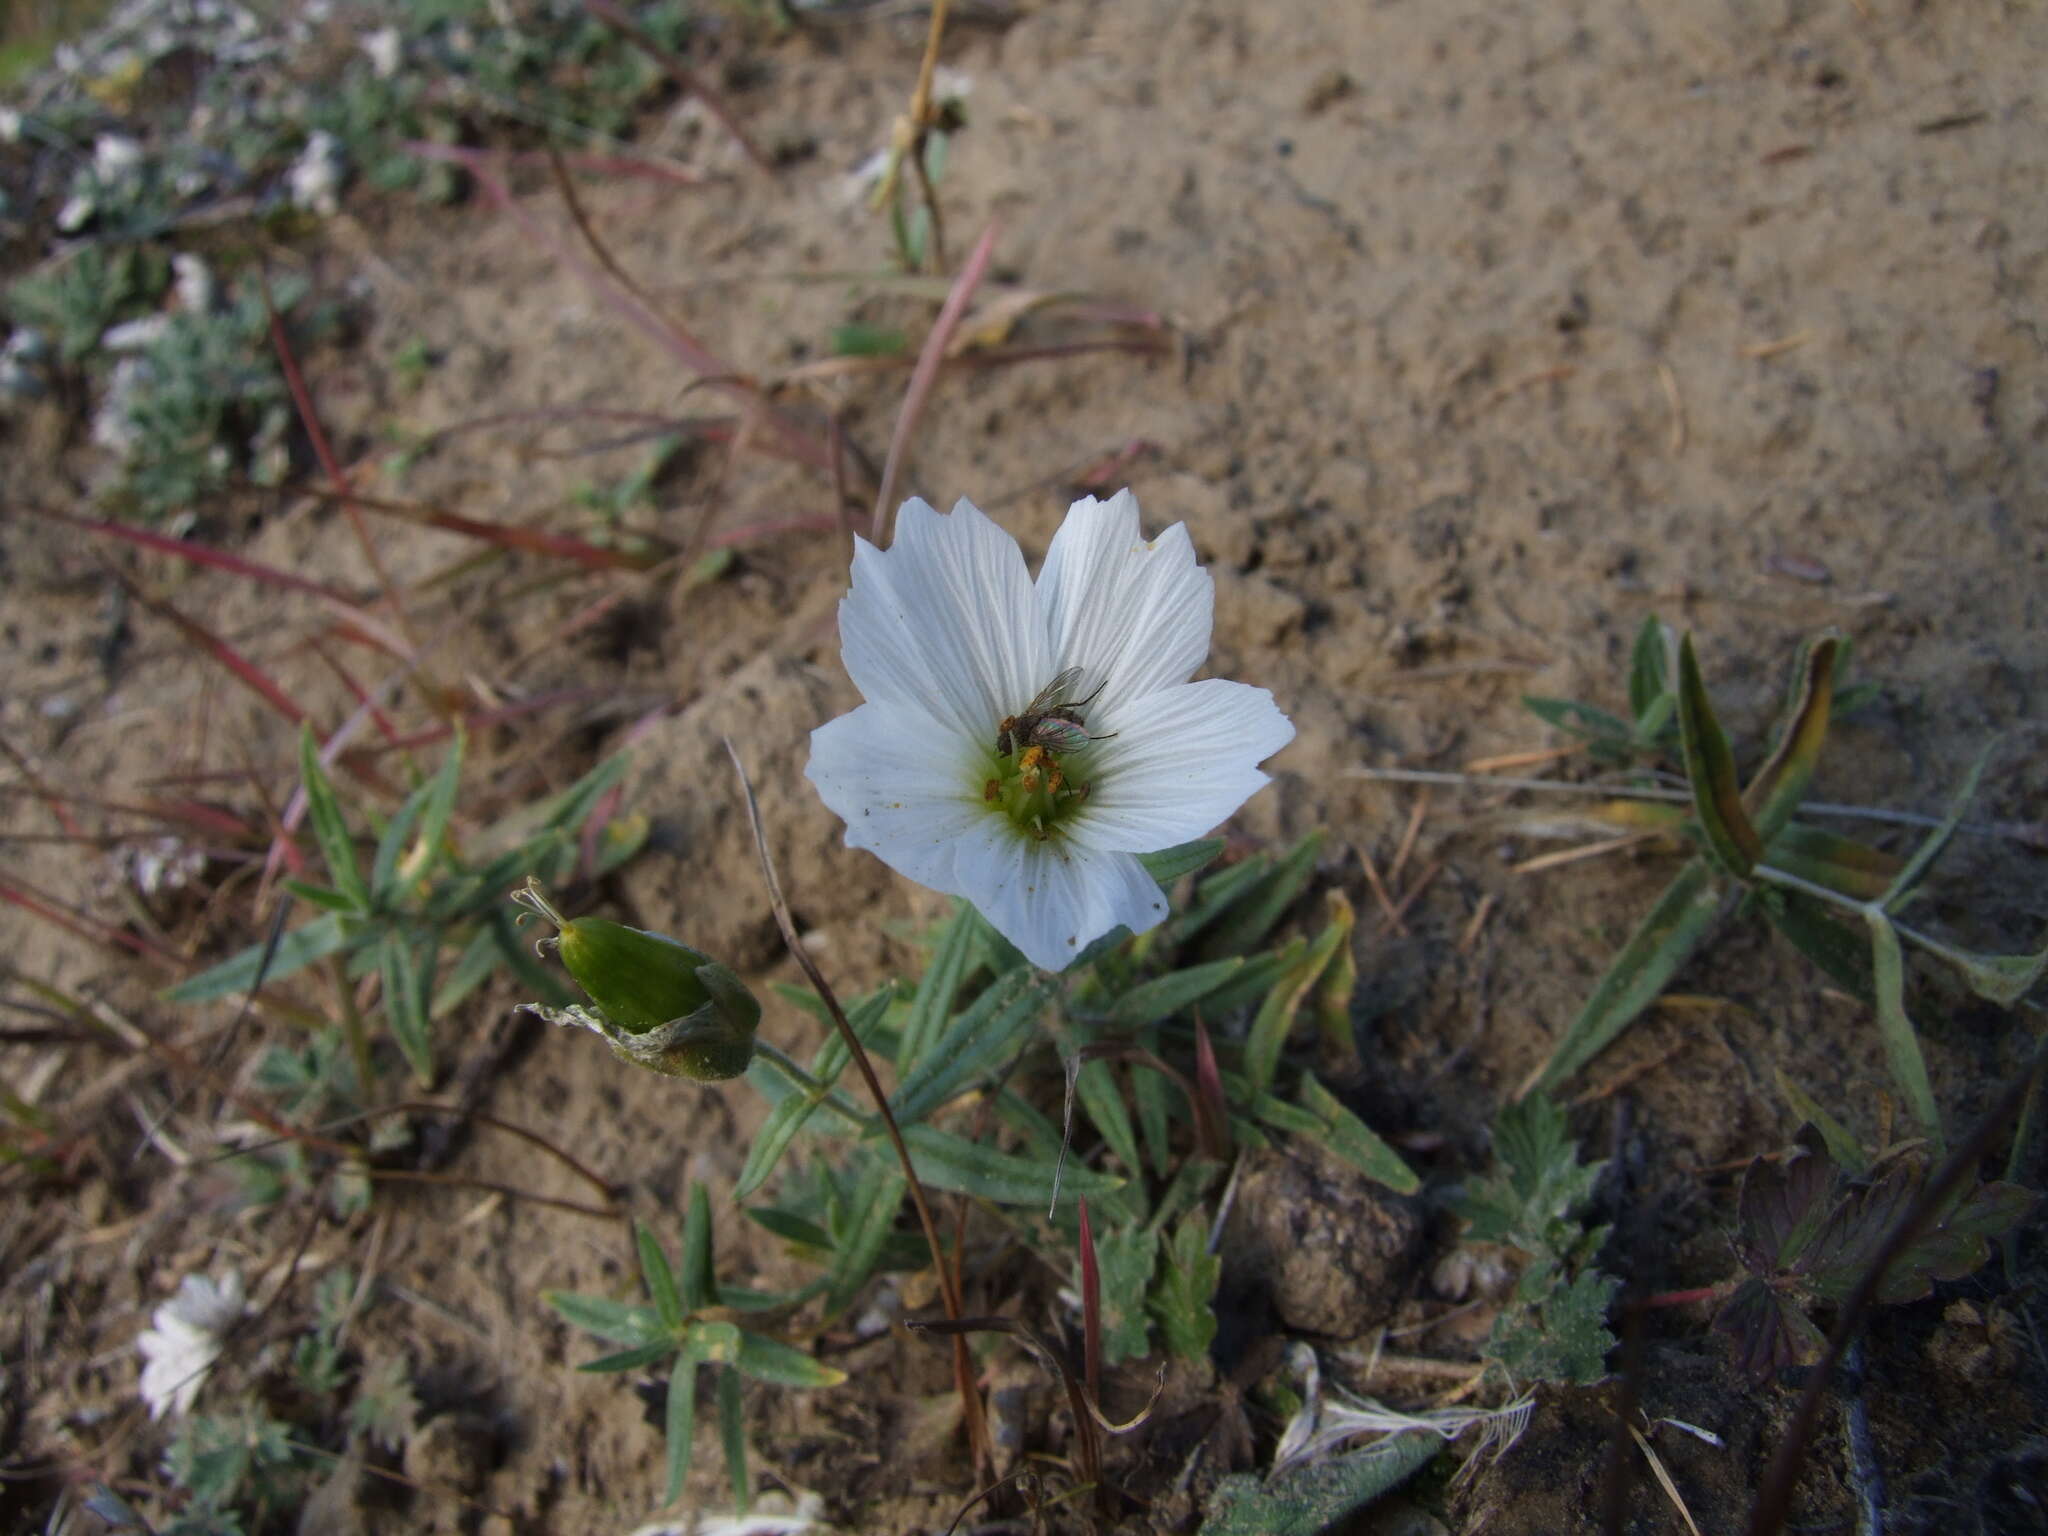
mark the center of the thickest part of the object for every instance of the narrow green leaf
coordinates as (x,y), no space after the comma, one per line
(791,1227)
(1649,685)
(681,1425)
(405,1004)
(391,843)
(1821,936)
(1213,895)
(1846,1150)
(471,970)
(1151,1001)
(783,1365)
(696,1284)
(619,1322)
(440,803)
(1152,1095)
(1096,1087)
(932,1003)
(630,1359)
(1931,848)
(1662,941)
(774,1137)
(1275,1018)
(1244,927)
(329,829)
(1857,870)
(1355,1141)
(1169,864)
(1580,720)
(659,1278)
(947,1162)
(569,809)
(1774,794)
(732,1432)
(320,896)
(299,948)
(977,1043)
(1260,974)
(877,1197)
(1901,1044)
(1710,773)
(2002,979)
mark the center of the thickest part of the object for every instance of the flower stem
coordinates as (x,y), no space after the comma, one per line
(949,1279)
(781,1061)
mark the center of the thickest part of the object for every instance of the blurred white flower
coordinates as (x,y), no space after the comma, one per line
(1023,743)
(386,48)
(182,1347)
(315,177)
(114,155)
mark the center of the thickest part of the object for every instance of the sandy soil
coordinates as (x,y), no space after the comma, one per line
(1497,327)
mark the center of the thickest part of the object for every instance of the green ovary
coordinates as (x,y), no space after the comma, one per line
(1036,790)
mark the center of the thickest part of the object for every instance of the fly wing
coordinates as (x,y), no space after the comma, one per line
(1057,735)
(1054,693)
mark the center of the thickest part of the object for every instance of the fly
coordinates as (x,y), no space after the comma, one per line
(1051,720)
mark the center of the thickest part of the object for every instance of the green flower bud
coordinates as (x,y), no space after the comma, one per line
(657,1003)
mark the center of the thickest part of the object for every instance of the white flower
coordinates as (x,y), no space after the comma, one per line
(386,48)
(950,642)
(315,177)
(179,1351)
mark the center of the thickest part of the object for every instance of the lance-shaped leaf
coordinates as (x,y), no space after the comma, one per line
(1164,996)
(732,1433)
(659,1279)
(1828,859)
(976,1044)
(1779,785)
(329,829)
(1817,933)
(697,1286)
(1901,1042)
(1214,895)
(1932,845)
(407,985)
(679,1423)
(1169,864)
(781,1364)
(1594,726)
(878,1195)
(1710,773)
(1650,699)
(1661,943)
(323,936)
(947,1162)
(1249,919)
(620,1322)
(1355,1141)
(1844,1148)
(932,1003)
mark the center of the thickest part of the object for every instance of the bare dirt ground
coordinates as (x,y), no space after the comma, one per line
(1499,327)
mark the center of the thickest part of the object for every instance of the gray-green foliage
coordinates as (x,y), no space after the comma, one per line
(205,403)
(1121,1016)
(1553,1327)
(684,1324)
(77,297)
(429,923)
(1836,900)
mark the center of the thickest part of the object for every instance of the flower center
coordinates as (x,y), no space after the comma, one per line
(1035,790)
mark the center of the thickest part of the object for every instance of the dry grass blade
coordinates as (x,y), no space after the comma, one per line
(1664,1480)
(926,373)
(532,541)
(246,672)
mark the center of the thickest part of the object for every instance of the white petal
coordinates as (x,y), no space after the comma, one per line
(945,619)
(1053,899)
(903,784)
(1181,761)
(1135,616)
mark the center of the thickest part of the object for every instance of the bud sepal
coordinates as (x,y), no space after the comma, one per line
(657,1003)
